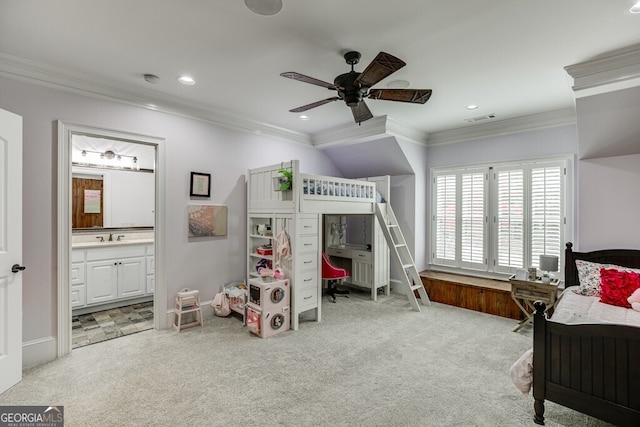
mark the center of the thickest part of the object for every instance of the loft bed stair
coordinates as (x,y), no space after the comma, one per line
(410,279)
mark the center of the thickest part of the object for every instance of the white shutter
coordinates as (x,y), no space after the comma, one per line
(445,217)
(510,219)
(546,212)
(472,222)
(526,202)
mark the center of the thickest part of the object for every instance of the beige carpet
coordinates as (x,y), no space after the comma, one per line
(365,364)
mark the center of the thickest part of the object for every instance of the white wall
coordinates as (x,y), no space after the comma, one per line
(609,203)
(413,209)
(525,145)
(191,145)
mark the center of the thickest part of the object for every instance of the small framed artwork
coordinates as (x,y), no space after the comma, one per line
(200,184)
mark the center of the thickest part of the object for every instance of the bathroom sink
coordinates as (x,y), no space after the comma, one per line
(106,243)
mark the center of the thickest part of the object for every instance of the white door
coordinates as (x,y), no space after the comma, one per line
(10,249)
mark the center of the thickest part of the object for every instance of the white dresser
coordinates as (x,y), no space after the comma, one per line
(307,286)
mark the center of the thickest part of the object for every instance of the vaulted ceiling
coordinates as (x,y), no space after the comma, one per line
(505,56)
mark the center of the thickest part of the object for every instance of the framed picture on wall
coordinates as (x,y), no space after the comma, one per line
(207,220)
(200,185)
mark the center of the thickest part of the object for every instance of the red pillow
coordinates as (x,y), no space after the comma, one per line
(617,286)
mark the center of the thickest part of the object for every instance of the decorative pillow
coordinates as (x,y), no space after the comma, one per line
(589,276)
(617,286)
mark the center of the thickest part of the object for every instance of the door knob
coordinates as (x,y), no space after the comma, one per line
(17,267)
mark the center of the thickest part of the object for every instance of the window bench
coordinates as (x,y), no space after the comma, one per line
(473,293)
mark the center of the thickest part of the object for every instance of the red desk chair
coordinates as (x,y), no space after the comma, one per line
(334,276)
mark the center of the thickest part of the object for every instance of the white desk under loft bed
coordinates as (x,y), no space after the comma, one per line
(300,211)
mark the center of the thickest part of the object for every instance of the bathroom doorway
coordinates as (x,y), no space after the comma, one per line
(110,232)
(112,220)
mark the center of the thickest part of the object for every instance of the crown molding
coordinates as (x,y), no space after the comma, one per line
(56,77)
(549,119)
(373,129)
(616,70)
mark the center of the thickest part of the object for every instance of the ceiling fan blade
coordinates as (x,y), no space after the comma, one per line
(382,66)
(361,112)
(415,96)
(314,105)
(302,78)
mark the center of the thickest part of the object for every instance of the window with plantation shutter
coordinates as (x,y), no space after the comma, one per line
(510,221)
(500,218)
(445,217)
(546,212)
(472,219)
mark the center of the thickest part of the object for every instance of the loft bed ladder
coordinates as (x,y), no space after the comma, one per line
(410,279)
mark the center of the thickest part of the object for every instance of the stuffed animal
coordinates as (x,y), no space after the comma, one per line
(634,300)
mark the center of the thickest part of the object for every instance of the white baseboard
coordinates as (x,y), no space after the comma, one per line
(40,351)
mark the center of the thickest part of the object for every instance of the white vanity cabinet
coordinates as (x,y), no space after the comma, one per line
(78,284)
(115,273)
(151,270)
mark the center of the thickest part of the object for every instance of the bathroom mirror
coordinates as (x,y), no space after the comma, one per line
(113,183)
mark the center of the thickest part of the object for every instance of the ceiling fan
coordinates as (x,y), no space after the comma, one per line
(354,87)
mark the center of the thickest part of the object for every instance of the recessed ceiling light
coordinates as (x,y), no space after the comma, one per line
(303,117)
(398,84)
(186,80)
(635,8)
(264,7)
(471,107)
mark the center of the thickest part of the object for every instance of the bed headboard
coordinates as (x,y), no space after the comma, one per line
(621,257)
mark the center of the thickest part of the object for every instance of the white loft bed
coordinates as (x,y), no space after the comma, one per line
(310,197)
(310,193)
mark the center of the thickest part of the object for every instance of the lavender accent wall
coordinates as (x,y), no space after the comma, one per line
(191,145)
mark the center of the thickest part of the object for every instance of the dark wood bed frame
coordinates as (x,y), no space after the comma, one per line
(593,369)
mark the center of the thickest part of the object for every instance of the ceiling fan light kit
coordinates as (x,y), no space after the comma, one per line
(353,87)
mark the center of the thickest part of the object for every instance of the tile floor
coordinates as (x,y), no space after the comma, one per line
(108,324)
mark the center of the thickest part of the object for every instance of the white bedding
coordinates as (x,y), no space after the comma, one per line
(573,308)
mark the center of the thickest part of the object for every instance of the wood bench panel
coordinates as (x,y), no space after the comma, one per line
(473,293)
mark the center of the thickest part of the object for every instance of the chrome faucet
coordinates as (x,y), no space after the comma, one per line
(120,236)
(111,237)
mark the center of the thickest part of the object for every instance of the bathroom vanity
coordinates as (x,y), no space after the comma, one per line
(111,273)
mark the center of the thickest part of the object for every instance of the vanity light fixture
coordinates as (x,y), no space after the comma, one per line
(186,80)
(635,8)
(264,7)
(107,155)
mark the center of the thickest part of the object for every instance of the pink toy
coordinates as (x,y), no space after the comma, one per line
(634,300)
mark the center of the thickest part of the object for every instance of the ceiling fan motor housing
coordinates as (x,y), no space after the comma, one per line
(349,91)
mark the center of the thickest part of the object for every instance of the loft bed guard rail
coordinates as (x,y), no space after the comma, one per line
(309,193)
(331,188)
